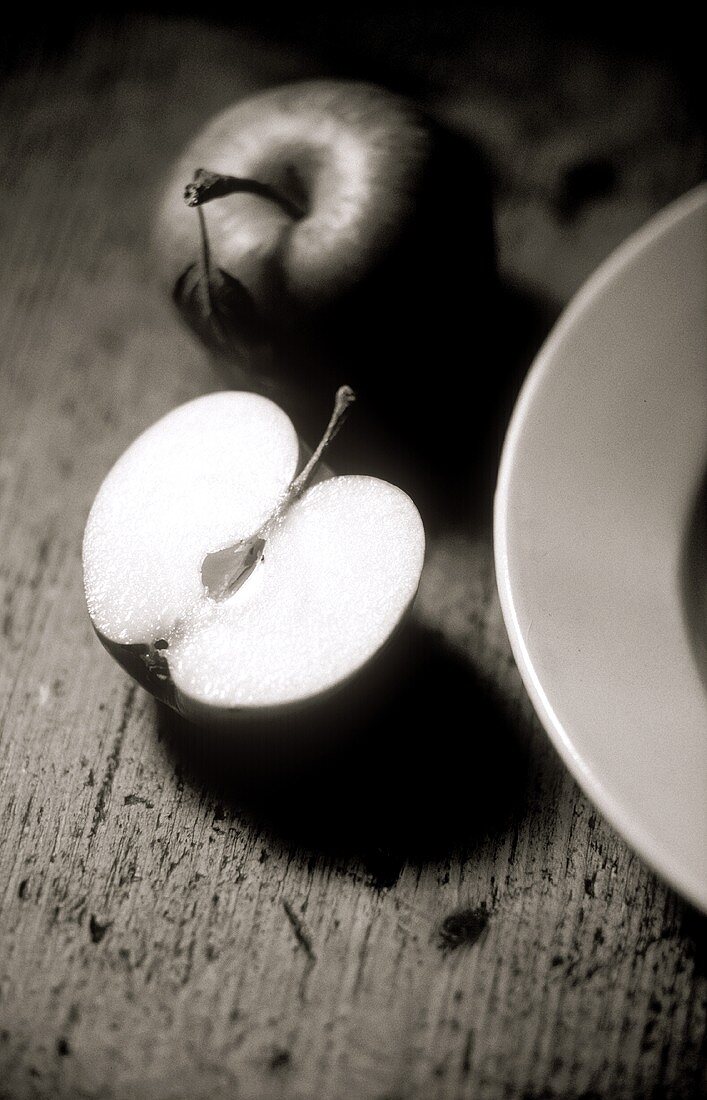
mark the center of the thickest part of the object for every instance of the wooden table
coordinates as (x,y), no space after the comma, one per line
(447,916)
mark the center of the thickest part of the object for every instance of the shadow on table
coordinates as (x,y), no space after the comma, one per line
(419,758)
(438,432)
(425,760)
(410,766)
(432,340)
(431,413)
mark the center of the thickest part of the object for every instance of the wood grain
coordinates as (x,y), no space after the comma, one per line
(437,913)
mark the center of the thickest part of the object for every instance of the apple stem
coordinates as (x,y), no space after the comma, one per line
(207,186)
(345,397)
(206,282)
(224,571)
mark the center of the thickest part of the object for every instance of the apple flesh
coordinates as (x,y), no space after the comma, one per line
(336,563)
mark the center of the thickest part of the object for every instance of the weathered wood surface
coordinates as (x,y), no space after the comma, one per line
(164,936)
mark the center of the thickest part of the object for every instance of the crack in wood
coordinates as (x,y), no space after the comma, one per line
(301,934)
(99,812)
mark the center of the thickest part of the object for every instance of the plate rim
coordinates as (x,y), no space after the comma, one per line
(647,847)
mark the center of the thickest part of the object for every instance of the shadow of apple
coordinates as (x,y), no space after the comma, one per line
(434,343)
(435,766)
(418,757)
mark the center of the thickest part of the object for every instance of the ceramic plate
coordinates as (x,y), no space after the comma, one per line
(601,538)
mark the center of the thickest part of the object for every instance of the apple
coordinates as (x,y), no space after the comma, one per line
(333,222)
(231,588)
(315,183)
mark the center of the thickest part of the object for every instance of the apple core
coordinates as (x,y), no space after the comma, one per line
(235,583)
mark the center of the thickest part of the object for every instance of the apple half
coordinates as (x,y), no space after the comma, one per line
(228,586)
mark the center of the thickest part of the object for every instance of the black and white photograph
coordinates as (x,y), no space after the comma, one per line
(353,552)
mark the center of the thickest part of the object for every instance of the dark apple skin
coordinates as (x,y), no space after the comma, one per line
(398,303)
(349,157)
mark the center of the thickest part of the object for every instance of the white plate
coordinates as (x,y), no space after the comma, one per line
(600,556)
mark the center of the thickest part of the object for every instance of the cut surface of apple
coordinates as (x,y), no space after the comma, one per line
(338,567)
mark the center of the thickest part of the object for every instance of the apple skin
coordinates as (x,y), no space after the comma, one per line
(386,277)
(304,725)
(350,156)
(152,479)
(366,168)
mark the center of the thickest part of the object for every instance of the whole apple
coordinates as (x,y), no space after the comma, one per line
(331,230)
(229,587)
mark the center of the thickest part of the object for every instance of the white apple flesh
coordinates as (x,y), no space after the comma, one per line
(338,566)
